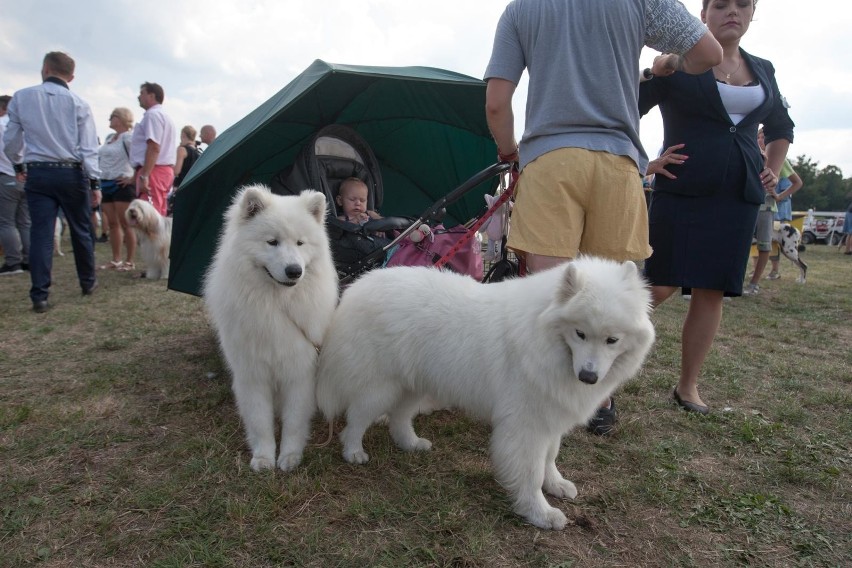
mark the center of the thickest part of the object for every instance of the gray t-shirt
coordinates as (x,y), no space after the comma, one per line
(583,62)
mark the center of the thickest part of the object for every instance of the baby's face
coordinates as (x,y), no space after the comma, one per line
(353,199)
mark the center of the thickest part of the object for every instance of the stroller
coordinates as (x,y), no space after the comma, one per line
(425,133)
(336,153)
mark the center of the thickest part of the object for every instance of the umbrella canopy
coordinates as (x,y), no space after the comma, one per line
(426,127)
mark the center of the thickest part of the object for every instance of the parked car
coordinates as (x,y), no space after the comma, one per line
(823,227)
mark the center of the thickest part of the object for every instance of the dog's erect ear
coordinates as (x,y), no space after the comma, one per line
(253,201)
(630,268)
(315,204)
(572,282)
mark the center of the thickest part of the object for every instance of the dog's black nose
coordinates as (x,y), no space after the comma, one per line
(588,377)
(293,271)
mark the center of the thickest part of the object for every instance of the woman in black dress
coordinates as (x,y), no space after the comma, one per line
(707,191)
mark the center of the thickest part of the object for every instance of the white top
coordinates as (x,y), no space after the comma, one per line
(158,127)
(58,126)
(114,157)
(739,101)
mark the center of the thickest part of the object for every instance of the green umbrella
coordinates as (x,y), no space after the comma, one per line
(426,127)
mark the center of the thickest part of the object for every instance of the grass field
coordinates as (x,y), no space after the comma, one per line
(120,446)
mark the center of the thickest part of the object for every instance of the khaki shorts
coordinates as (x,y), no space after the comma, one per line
(574,201)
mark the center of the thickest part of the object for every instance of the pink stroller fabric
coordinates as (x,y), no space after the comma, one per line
(468,259)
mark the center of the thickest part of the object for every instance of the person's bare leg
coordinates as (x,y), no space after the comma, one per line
(760,266)
(108,213)
(129,234)
(539,262)
(774,262)
(660,294)
(699,330)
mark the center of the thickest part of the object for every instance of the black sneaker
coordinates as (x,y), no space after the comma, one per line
(103,238)
(41,306)
(9,269)
(603,422)
(25,267)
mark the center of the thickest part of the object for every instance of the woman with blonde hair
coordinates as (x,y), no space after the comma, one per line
(118,188)
(187,153)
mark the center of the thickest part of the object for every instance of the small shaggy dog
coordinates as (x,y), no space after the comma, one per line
(154,234)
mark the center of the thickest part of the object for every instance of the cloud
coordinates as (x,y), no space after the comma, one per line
(219,59)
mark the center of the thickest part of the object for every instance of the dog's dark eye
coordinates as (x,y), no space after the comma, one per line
(611,340)
(299,243)
(580,334)
(272,242)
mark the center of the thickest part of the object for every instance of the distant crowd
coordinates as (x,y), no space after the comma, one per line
(49,144)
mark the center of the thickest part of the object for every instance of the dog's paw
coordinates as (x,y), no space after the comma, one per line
(260,463)
(561,488)
(356,457)
(550,518)
(289,462)
(421,445)
(416,445)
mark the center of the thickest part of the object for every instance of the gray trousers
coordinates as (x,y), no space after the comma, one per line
(14,220)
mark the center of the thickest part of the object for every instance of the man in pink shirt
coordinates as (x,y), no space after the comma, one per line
(152,148)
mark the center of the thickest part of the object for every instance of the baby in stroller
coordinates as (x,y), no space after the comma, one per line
(340,163)
(352,199)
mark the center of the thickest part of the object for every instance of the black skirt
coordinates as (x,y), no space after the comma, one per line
(702,241)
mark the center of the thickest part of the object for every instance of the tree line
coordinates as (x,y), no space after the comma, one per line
(822,189)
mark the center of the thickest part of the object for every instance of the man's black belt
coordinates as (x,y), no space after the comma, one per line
(75,165)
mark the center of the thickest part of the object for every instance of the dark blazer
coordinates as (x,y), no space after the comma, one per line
(693,114)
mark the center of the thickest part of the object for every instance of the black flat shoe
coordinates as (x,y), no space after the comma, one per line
(689,406)
(40,307)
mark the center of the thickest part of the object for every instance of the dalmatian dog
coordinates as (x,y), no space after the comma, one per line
(789,238)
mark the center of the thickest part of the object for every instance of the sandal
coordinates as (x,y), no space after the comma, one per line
(113,265)
(126,267)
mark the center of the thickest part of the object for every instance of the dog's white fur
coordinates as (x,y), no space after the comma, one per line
(567,338)
(270,293)
(788,238)
(154,235)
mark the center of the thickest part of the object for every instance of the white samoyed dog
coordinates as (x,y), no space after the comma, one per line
(154,235)
(270,293)
(566,339)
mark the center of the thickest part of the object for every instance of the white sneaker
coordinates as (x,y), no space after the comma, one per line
(751,290)
(773,276)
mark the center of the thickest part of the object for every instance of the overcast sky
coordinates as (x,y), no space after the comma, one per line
(219,59)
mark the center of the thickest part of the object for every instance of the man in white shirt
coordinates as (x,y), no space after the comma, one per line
(14,213)
(153,148)
(60,167)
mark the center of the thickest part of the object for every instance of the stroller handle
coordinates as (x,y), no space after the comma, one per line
(489,172)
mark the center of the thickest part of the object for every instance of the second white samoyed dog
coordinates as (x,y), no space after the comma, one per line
(154,235)
(270,293)
(566,338)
